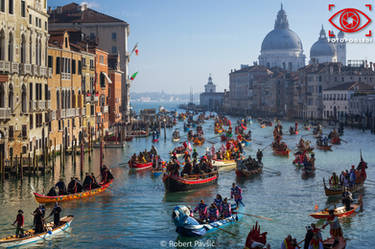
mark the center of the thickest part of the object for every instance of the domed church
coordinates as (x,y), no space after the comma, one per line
(282,47)
(322,50)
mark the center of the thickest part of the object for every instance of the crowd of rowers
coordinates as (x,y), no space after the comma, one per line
(277,135)
(349,178)
(39,221)
(75,186)
(252,163)
(144,156)
(220,208)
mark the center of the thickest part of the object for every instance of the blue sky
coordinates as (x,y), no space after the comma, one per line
(182,41)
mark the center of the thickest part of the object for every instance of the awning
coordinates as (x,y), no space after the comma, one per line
(108,79)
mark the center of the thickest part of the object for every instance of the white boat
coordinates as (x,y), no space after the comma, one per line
(31,237)
(224,164)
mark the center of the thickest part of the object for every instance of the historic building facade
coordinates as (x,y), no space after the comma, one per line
(114,100)
(210,99)
(24,93)
(110,33)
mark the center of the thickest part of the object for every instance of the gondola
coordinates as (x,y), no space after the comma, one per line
(338,212)
(175,183)
(339,191)
(31,237)
(188,226)
(249,173)
(70,197)
(140,166)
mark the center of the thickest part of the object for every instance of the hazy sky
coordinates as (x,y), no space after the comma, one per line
(182,41)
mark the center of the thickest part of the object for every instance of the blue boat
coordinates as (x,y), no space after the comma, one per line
(188,226)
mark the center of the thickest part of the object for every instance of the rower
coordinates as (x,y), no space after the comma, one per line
(38,221)
(347,199)
(226,210)
(213,213)
(218,201)
(308,237)
(259,155)
(94,182)
(56,214)
(52,191)
(87,182)
(335,227)
(202,210)
(20,222)
(236,192)
(61,185)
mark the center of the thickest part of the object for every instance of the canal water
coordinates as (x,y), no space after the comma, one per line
(136,212)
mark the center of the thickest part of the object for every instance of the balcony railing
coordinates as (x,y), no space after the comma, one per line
(5,66)
(32,105)
(82,111)
(88,99)
(49,72)
(40,104)
(5,113)
(96,98)
(65,76)
(43,71)
(104,109)
(25,69)
(35,70)
(48,104)
(53,115)
(15,67)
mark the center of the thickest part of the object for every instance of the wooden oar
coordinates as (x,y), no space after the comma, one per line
(257,216)
(265,147)
(324,170)
(300,242)
(233,234)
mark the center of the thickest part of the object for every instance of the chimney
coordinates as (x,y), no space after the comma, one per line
(83,6)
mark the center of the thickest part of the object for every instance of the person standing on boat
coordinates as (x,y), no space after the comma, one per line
(38,221)
(226,209)
(335,227)
(347,199)
(213,213)
(352,176)
(259,156)
(52,191)
(202,210)
(87,183)
(20,220)
(56,214)
(62,187)
(236,192)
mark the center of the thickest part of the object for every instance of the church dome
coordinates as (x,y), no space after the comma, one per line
(281,37)
(322,47)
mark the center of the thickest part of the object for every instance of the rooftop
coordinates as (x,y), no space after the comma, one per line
(354,86)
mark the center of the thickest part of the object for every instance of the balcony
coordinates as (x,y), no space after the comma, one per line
(32,105)
(5,66)
(43,71)
(48,104)
(71,112)
(87,99)
(25,69)
(49,72)
(83,111)
(15,67)
(96,98)
(35,70)
(65,76)
(53,115)
(84,66)
(5,113)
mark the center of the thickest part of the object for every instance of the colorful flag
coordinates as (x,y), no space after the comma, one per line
(135,49)
(133,76)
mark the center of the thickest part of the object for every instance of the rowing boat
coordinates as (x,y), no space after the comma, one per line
(332,243)
(31,237)
(174,183)
(140,166)
(340,190)
(324,147)
(70,197)
(188,226)
(249,173)
(338,212)
(281,152)
(224,164)
(157,172)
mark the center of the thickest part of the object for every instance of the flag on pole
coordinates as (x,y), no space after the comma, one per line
(135,49)
(133,76)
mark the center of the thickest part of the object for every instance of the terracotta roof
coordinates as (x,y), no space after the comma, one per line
(72,13)
(357,86)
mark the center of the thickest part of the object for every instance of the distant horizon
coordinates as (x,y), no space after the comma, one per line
(182,42)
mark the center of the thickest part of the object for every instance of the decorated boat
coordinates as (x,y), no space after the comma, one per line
(174,183)
(70,197)
(140,165)
(188,226)
(340,189)
(338,212)
(224,164)
(30,236)
(255,239)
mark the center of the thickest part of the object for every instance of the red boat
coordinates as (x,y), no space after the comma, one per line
(140,166)
(281,153)
(339,212)
(174,183)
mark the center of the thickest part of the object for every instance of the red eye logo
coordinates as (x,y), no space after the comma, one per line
(350,20)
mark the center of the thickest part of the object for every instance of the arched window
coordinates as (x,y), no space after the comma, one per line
(40,52)
(23,49)
(10,47)
(63,99)
(10,97)
(37,51)
(58,99)
(73,100)
(2,96)
(23,100)
(2,45)
(69,100)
